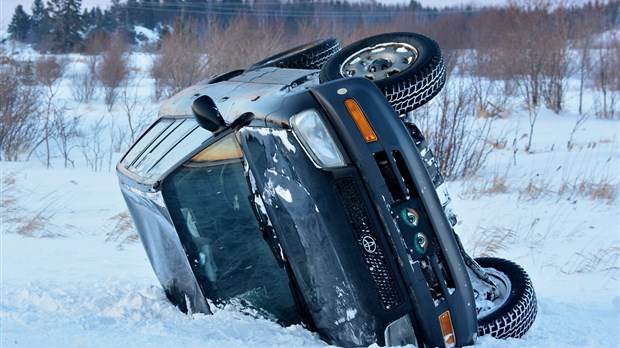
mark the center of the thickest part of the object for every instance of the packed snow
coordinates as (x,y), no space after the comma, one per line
(73,275)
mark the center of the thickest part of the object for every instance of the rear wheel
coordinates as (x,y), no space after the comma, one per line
(407,67)
(311,55)
(508,309)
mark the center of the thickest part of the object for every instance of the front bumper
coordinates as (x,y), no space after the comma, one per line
(397,183)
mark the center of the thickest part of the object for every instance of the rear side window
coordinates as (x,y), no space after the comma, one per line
(163,146)
(207,199)
(145,141)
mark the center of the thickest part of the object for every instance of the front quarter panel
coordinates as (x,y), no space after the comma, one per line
(312,233)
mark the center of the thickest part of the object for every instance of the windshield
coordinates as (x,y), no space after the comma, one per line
(208,201)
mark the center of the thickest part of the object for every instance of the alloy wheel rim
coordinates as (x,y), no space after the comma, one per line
(380,61)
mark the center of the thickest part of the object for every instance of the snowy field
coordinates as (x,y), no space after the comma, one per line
(71,276)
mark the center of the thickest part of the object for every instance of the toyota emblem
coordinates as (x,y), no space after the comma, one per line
(369,244)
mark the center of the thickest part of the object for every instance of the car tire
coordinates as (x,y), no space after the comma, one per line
(516,314)
(407,67)
(311,55)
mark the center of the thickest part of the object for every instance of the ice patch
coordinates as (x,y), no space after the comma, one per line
(283,135)
(340,292)
(236,204)
(280,134)
(271,190)
(351,313)
(284,194)
(268,192)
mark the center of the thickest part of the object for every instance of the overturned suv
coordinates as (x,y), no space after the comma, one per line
(297,189)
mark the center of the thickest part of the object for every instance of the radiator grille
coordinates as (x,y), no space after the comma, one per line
(359,220)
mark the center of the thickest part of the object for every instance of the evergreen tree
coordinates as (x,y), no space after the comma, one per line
(169,10)
(88,20)
(67,24)
(196,9)
(148,14)
(20,24)
(106,22)
(40,22)
(132,12)
(116,14)
(97,21)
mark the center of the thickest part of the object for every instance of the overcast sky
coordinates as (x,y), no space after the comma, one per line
(7,7)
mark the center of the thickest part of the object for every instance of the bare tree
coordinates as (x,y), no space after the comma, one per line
(457,137)
(253,42)
(181,60)
(534,53)
(84,83)
(556,68)
(66,131)
(583,41)
(113,69)
(484,63)
(20,118)
(137,112)
(48,72)
(118,140)
(528,92)
(97,43)
(523,48)
(313,28)
(92,146)
(606,77)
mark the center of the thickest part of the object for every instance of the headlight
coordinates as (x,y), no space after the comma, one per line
(316,140)
(400,332)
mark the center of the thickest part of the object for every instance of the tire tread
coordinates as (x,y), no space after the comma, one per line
(311,57)
(515,321)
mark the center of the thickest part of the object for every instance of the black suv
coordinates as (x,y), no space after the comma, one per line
(295,188)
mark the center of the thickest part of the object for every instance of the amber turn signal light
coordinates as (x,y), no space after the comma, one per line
(360,120)
(447,330)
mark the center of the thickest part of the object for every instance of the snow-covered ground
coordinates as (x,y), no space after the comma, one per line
(71,277)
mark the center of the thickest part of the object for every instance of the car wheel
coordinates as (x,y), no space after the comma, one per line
(407,67)
(512,312)
(311,55)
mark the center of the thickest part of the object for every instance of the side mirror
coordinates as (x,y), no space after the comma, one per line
(207,115)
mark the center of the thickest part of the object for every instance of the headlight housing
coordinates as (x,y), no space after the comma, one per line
(316,140)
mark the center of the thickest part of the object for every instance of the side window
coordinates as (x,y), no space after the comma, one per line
(189,143)
(163,146)
(207,199)
(145,141)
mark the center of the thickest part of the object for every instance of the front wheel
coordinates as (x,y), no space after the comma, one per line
(407,67)
(508,309)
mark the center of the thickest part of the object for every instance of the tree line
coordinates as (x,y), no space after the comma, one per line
(61,26)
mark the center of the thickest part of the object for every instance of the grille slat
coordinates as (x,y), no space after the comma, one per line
(361,224)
